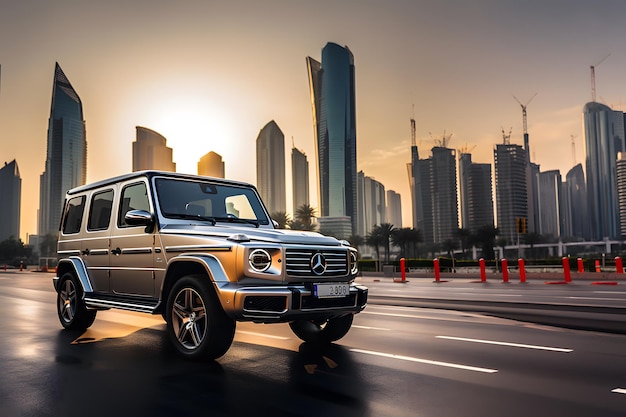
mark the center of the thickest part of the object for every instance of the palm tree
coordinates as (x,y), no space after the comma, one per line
(464,236)
(303,218)
(384,231)
(374,239)
(356,241)
(281,218)
(485,237)
(402,238)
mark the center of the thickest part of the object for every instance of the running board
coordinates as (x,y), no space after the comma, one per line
(138,304)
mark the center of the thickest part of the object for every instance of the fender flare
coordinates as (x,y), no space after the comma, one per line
(77,265)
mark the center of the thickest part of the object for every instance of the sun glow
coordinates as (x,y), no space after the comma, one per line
(194,126)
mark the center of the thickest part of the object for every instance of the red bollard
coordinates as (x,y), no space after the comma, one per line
(403,269)
(483,272)
(598,265)
(566,272)
(505,271)
(581,267)
(619,268)
(436,268)
(522,271)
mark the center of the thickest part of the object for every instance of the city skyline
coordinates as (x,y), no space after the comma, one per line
(198,83)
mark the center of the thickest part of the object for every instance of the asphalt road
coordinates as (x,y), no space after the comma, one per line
(396,361)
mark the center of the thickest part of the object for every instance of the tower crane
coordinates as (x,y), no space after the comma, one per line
(593,77)
(506,139)
(442,141)
(524,115)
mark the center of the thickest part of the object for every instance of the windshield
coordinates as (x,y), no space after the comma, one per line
(186,199)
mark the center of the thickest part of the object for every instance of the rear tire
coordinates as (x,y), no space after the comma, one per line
(196,323)
(71,309)
(322,331)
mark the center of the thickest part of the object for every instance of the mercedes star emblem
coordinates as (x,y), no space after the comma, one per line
(318,264)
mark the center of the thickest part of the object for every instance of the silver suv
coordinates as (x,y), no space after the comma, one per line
(203,253)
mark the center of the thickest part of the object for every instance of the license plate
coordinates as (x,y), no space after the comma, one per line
(331,290)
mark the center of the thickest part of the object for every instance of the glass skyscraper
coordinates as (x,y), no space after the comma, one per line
(150,151)
(270,167)
(332,90)
(604,138)
(11,186)
(475,192)
(300,178)
(66,157)
(511,167)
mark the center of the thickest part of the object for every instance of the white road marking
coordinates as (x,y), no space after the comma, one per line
(519,345)
(370,328)
(619,390)
(408,316)
(596,298)
(269,336)
(425,361)
(609,292)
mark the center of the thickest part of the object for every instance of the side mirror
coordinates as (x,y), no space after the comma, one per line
(138,218)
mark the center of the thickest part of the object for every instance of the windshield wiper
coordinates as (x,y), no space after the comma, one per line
(233,219)
(191,217)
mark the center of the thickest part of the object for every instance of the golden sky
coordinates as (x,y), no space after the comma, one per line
(208,75)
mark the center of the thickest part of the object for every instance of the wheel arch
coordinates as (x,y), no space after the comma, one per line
(74,265)
(192,264)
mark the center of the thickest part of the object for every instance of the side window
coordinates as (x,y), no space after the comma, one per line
(134,197)
(73,215)
(100,211)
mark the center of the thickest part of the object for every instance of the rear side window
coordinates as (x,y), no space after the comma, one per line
(100,211)
(134,197)
(73,215)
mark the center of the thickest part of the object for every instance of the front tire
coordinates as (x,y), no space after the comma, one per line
(322,331)
(73,314)
(196,323)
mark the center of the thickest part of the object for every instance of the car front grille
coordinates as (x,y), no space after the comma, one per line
(301,262)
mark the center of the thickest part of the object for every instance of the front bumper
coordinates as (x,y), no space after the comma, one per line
(288,303)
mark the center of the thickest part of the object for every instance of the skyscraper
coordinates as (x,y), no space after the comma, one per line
(372,206)
(476,193)
(66,156)
(511,188)
(394,208)
(270,167)
(150,151)
(415,184)
(211,165)
(576,218)
(300,178)
(603,131)
(332,91)
(443,189)
(549,198)
(621,191)
(11,186)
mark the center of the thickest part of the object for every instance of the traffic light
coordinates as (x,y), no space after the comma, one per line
(521,225)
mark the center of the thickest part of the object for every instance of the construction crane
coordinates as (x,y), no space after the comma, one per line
(442,141)
(466,149)
(524,115)
(593,77)
(506,139)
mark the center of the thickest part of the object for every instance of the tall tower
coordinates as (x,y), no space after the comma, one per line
(475,192)
(300,178)
(332,90)
(511,187)
(394,208)
(66,155)
(270,167)
(415,182)
(150,151)
(576,217)
(603,130)
(11,186)
(444,194)
(211,165)
(549,198)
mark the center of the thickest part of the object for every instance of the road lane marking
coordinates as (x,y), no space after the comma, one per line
(619,390)
(596,298)
(425,361)
(493,342)
(269,336)
(370,328)
(408,316)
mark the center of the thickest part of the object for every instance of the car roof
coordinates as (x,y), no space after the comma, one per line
(150,174)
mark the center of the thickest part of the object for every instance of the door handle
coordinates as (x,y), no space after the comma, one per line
(116,251)
(85,252)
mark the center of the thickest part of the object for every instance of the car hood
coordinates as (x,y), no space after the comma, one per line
(254,234)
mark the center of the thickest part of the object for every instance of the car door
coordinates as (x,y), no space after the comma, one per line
(132,247)
(95,245)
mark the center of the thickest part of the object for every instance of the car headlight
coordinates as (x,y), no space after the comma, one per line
(354,262)
(259,260)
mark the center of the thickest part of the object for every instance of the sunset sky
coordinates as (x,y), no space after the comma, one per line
(208,75)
